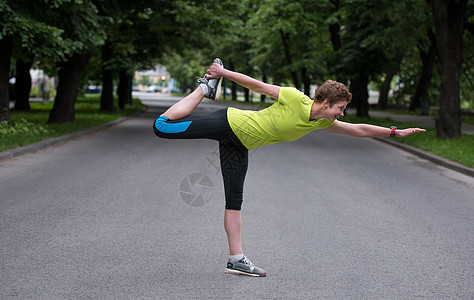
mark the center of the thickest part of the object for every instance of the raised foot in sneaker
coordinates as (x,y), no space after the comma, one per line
(244,267)
(212,88)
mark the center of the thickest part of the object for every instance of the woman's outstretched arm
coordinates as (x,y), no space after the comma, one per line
(216,70)
(366,130)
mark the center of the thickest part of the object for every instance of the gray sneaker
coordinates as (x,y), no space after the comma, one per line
(244,267)
(213,86)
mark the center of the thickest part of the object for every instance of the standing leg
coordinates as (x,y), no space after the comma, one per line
(234,163)
(233,228)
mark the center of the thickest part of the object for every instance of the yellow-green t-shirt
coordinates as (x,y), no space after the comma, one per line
(286,120)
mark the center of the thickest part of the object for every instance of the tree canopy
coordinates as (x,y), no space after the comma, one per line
(399,46)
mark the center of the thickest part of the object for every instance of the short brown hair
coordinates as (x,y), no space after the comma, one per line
(333,91)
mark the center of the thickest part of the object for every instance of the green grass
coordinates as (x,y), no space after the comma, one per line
(458,150)
(467,119)
(30,127)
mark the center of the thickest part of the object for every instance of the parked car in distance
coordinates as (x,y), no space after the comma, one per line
(93,89)
(153,89)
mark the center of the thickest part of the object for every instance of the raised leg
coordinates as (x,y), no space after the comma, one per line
(185,106)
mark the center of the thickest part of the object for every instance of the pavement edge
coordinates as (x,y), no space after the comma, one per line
(16,152)
(430,156)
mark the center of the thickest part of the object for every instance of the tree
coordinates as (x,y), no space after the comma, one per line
(6,47)
(428,56)
(405,21)
(449,17)
(288,39)
(107,95)
(23,84)
(224,36)
(23,29)
(69,76)
(140,33)
(371,43)
(124,89)
(333,21)
(185,67)
(467,76)
(83,29)
(361,55)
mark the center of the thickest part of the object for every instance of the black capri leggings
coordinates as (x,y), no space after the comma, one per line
(233,155)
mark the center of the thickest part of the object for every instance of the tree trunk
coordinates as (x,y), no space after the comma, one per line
(23,85)
(286,48)
(360,95)
(6,47)
(383,97)
(184,87)
(224,83)
(335,33)
(246,95)
(428,60)
(124,89)
(264,79)
(234,85)
(305,79)
(334,29)
(69,76)
(449,24)
(107,95)
(335,36)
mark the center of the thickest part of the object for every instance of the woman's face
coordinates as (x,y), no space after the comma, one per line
(335,111)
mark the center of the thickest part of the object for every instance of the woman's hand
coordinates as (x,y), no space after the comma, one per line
(408,131)
(215,71)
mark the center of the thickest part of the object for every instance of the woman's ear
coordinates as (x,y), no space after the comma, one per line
(326,103)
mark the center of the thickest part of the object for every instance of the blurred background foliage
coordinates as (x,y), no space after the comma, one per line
(391,47)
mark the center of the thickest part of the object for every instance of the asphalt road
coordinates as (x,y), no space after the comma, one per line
(116,215)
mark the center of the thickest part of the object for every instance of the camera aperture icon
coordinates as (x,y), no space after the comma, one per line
(196,189)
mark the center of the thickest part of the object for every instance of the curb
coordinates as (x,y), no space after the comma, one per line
(15,152)
(430,156)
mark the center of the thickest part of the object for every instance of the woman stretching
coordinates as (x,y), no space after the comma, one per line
(292,116)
